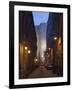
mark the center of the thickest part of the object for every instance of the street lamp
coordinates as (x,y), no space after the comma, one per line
(49,49)
(29,51)
(55,38)
(26,47)
(35,60)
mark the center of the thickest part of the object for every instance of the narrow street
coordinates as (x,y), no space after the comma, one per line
(41,72)
(40,44)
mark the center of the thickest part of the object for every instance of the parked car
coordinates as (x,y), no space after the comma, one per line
(49,66)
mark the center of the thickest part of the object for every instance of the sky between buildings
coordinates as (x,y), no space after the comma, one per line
(40,17)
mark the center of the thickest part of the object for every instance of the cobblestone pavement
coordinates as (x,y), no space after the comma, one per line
(41,72)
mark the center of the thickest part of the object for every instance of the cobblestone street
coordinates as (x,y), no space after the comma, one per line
(41,72)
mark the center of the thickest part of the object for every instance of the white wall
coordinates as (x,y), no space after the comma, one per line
(4,43)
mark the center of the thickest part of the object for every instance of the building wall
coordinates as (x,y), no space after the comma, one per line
(54,27)
(55,30)
(27,38)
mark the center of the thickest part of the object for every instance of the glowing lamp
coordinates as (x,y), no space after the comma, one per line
(29,51)
(26,47)
(55,38)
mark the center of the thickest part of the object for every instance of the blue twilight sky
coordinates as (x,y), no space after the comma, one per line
(40,17)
